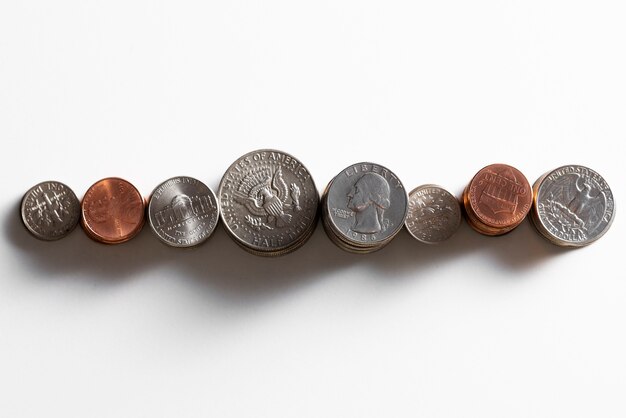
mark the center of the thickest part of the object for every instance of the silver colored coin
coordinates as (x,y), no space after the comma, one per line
(50,210)
(365,206)
(572,206)
(269,202)
(183,212)
(434,214)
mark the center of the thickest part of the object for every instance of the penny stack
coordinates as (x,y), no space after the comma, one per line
(573,206)
(364,207)
(497,199)
(434,214)
(268,202)
(112,211)
(183,212)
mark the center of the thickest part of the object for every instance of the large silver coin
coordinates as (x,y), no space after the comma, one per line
(573,206)
(183,212)
(366,205)
(434,214)
(50,210)
(268,201)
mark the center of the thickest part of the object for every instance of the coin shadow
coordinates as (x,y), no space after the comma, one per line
(78,255)
(217,266)
(226,267)
(521,249)
(220,266)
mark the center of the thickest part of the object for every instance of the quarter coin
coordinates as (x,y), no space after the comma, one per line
(364,207)
(573,206)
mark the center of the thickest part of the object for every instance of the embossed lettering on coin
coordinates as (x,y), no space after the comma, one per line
(268,201)
(50,210)
(113,211)
(365,205)
(183,211)
(497,199)
(573,205)
(434,214)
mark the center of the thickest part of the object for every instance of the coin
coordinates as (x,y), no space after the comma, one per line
(434,214)
(268,202)
(50,210)
(573,206)
(364,207)
(497,199)
(183,212)
(112,211)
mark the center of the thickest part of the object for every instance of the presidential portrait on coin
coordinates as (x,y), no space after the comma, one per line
(369,198)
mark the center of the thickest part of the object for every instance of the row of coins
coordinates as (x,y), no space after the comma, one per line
(269,203)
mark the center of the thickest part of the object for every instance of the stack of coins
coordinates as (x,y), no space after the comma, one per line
(112,211)
(434,214)
(573,206)
(364,207)
(497,199)
(183,212)
(268,202)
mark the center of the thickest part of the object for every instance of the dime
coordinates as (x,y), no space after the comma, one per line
(268,202)
(573,206)
(497,199)
(434,214)
(112,211)
(183,212)
(364,207)
(50,210)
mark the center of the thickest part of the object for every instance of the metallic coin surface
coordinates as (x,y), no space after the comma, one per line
(573,206)
(268,202)
(112,211)
(50,210)
(499,196)
(183,212)
(434,214)
(365,205)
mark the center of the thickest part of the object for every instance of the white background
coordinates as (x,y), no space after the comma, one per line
(477,327)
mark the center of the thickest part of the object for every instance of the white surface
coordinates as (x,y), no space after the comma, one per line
(477,327)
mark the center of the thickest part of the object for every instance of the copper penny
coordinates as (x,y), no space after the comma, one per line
(497,199)
(113,211)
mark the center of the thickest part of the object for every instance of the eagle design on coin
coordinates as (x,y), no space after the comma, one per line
(266,195)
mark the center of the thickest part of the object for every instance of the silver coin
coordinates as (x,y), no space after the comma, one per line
(434,214)
(268,201)
(183,212)
(50,210)
(572,206)
(365,205)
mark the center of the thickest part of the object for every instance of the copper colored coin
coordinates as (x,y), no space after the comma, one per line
(497,199)
(113,211)
(476,224)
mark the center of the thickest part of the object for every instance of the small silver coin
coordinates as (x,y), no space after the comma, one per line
(434,214)
(50,210)
(269,202)
(183,212)
(572,206)
(365,206)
